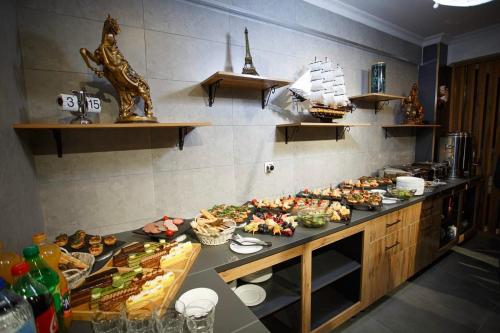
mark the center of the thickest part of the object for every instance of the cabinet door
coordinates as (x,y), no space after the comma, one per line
(427,245)
(384,265)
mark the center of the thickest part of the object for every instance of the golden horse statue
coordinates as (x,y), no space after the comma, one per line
(128,84)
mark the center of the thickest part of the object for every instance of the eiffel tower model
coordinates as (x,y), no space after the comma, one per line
(249,67)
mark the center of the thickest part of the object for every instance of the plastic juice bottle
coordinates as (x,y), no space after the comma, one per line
(38,296)
(41,272)
(7,260)
(51,253)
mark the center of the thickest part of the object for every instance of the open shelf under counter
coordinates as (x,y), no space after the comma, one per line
(389,127)
(327,267)
(378,99)
(57,128)
(340,128)
(279,294)
(228,79)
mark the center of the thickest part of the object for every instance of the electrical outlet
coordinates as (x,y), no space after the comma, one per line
(269,167)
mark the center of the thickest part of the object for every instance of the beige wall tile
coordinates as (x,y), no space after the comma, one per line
(176,101)
(175,57)
(204,147)
(184,193)
(127,12)
(182,18)
(93,203)
(259,144)
(52,41)
(252,182)
(93,166)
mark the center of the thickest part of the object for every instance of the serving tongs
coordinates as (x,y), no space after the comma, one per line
(238,239)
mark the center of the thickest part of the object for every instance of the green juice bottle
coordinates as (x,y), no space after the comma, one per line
(42,273)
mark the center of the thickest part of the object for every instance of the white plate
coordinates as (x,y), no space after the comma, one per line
(251,294)
(245,249)
(196,294)
(379,191)
(258,277)
(389,201)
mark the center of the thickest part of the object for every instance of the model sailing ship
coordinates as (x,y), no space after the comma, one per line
(323,86)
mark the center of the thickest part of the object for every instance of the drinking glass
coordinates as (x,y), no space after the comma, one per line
(170,321)
(107,322)
(140,320)
(200,316)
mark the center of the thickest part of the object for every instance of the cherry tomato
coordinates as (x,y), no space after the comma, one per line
(169,233)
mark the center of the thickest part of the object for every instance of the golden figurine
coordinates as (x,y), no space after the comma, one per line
(414,111)
(128,84)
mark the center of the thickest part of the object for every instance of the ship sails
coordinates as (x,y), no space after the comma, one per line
(323,85)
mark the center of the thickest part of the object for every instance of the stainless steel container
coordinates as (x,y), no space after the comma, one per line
(456,150)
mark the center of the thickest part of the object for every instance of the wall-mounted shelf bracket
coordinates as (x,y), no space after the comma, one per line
(290,132)
(56,133)
(212,89)
(266,93)
(182,134)
(342,131)
(379,106)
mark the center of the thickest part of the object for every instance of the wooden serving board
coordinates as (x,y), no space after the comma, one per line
(181,270)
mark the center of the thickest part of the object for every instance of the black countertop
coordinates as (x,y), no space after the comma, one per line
(231,314)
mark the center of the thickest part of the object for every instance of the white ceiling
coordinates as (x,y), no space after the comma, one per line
(415,20)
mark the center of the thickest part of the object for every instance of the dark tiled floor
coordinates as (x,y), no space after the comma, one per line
(456,294)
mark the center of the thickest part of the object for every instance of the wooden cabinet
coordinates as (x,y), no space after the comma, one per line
(391,251)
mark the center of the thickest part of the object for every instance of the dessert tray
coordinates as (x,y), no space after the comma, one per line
(139,276)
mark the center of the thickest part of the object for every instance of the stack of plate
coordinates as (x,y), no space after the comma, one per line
(411,183)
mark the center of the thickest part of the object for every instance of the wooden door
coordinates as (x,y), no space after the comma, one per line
(475,107)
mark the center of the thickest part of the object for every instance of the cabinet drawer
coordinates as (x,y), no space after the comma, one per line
(384,225)
(390,244)
(411,214)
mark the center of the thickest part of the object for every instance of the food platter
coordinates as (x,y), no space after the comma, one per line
(135,286)
(363,200)
(181,229)
(327,193)
(101,259)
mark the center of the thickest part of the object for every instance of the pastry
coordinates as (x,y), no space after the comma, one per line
(62,240)
(110,240)
(95,240)
(77,243)
(96,249)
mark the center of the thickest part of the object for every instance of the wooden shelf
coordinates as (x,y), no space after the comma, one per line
(327,268)
(55,126)
(228,79)
(56,129)
(394,126)
(409,126)
(342,126)
(279,294)
(378,99)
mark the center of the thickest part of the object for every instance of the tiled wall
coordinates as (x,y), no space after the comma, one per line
(176,45)
(20,212)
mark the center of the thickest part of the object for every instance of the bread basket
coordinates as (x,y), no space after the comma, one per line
(76,277)
(218,238)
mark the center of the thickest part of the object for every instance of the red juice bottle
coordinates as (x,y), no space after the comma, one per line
(41,272)
(38,296)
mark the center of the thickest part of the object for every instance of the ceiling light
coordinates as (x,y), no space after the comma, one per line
(459,3)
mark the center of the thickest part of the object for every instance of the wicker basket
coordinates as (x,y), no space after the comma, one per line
(76,277)
(220,238)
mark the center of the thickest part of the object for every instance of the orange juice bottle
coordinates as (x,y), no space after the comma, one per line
(7,260)
(51,253)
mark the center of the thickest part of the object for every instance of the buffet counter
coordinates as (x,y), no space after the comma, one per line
(231,314)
